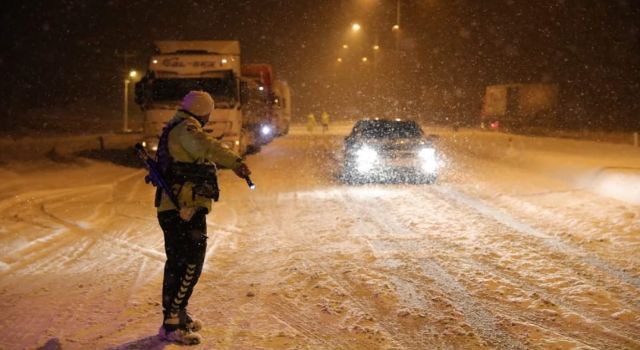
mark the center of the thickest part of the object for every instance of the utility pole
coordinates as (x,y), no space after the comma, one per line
(125,73)
(398,64)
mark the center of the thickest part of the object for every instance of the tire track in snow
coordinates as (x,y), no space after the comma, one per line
(41,247)
(65,237)
(499,215)
(220,235)
(415,300)
(624,334)
(581,222)
(392,336)
(282,310)
(325,335)
(549,240)
(477,317)
(316,333)
(458,290)
(387,329)
(40,196)
(53,198)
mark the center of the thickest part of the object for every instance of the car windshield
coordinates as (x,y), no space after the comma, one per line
(387,129)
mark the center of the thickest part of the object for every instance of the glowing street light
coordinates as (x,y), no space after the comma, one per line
(355,27)
(364,59)
(345,46)
(396,27)
(376,47)
(339,59)
(133,74)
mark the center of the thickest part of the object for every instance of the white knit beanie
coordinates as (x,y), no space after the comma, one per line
(199,103)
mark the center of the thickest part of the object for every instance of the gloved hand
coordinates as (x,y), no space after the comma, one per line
(242,171)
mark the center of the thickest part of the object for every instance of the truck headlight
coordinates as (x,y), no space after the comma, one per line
(429,161)
(366,157)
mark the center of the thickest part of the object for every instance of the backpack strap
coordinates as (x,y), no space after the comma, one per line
(163,156)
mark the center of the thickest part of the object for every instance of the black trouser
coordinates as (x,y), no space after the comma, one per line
(185,244)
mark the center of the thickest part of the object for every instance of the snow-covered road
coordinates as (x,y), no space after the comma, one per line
(523,243)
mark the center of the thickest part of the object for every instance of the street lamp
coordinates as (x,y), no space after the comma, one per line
(125,112)
(355,27)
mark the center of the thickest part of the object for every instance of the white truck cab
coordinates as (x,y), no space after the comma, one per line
(178,67)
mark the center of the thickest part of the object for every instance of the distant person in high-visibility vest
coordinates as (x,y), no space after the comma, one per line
(324,120)
(311,122)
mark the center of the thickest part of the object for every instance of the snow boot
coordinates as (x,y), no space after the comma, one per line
(179,336)
(189,323)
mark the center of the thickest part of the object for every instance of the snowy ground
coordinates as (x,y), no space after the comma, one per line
(523,243)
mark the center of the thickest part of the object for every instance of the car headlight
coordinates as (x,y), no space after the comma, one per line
(428,153)
(429,161)
(366,158)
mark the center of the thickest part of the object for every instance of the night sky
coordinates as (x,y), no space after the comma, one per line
(68,55)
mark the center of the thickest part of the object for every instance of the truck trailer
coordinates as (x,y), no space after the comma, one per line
(282,107)
(259,102)
(518,106)
(267,106)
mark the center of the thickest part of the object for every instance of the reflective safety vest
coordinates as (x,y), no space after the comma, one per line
(187,142)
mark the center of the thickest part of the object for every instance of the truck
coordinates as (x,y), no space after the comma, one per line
(267,109)
(178,67)
(519,106)
(282,107)
(258,102)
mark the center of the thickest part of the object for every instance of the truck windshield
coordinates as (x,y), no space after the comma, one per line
(223,90)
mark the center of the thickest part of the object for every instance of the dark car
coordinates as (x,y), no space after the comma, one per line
(389,150)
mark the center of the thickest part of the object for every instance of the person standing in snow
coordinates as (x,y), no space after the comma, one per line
(187,157)
(311,122)
(324,120)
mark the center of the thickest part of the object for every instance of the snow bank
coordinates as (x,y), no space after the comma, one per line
(27,148)
(611,170)
(619,183)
